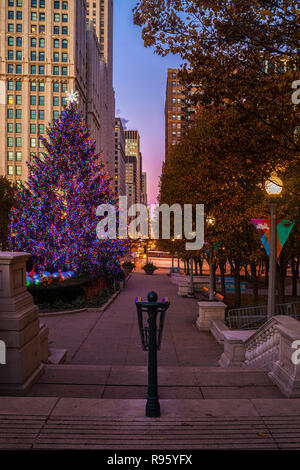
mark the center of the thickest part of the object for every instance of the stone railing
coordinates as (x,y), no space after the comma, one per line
(270,347)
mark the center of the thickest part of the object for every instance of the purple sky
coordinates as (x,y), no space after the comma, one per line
(140,83)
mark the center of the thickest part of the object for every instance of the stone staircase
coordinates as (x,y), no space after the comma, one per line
(130,382)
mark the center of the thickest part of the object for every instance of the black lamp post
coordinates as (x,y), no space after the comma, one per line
(151,339)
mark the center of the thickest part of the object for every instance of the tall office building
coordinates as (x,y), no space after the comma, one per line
(144,188)
(46,49)
(132,149)
(131,180)
(179,113)
(120,159)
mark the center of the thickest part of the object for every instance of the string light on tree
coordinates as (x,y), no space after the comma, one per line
(72,97)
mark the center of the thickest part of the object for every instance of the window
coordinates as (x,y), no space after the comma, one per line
(33,28)
(42,3)
(33,142)
(18,113)
(41,100)
(55,86)
(64,44)
(64,18)
(64,30)
(19,170)
(41,128)
(10,68)
(33,55)
(55,101)
(41,86)
(55,70)
(19,15)
(33,42)
(19,28)
(56,43)
(10,55)
(42,56)
(56,5)
(10,41)
(10,85)
(64,57)
(33,3)
(55,57)
(10,156)
(32,114)
(56,17)
(42,42)
(10,114)
(19,55)
(19,69)
(33,69)
(41,70)
(19,42)
(10,142)
(19,3)
(10,28)
(42,16)
(41,28)
(63,101)
(63,87)
(41,114)
(19,156)
(55,114)
(33,100)
(32,128)
(10,3)
(56,30)
(10,15)
(32,86)
(10,127)
(18,128)
(64,70)
(18,141)
(18,85)
(64,5)
(18,99)
(10,170)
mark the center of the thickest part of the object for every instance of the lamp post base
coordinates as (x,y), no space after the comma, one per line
(152,407)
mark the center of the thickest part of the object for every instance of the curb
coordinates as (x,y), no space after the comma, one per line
(87,309)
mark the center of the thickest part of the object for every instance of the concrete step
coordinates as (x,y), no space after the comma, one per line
(73,423)
(130,382)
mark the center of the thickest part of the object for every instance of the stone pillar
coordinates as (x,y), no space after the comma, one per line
(19,328)
(234,348)
(286,371)
(209,311)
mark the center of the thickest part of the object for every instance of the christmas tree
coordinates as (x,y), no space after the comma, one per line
(55,218)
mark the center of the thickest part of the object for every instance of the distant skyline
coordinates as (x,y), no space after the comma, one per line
(140,78)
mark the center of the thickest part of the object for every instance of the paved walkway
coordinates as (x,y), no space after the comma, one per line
(112,337)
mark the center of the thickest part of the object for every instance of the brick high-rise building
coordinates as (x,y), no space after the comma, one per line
(179,113)
(46,49)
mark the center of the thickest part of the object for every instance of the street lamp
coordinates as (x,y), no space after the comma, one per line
(211,222)
(191,290)
(273,187)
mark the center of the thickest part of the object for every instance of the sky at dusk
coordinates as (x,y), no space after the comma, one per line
(140,84)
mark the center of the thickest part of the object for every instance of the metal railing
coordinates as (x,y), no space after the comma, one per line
(251,318)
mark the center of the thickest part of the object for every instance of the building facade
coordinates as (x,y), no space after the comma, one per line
(144,188)
(179,113)
(120,159)
(46,49)
(131,180)
(132,149)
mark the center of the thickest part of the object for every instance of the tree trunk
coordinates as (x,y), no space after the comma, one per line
(267,273)
(201,266)
(222,271)
(196,267)
(237,283)
(254,280)
(214,277)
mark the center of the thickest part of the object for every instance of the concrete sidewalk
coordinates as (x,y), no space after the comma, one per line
(68,423)
(112,337)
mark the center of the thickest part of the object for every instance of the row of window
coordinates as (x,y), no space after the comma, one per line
(18,3)
(56,4)
(18,141)
(18,128)
(34,69)
(10,156)
(10,170)
(11,28)
(33,86)
(33,114)
(38,57)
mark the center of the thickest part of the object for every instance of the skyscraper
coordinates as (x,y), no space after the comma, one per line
(120,159)
(46,49)
(144,188)
(179,113)
(132,148)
